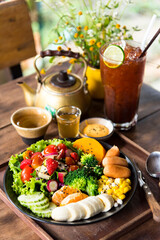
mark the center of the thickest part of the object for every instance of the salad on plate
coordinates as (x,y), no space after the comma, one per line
(70,181)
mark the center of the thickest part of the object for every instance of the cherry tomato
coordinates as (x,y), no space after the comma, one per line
(69,161)
(50,149)
(25,162)
(72,168)
(36,153)
(37,160)
(26,173)
(61,154)
(61,146)
(27,154)
(75,156)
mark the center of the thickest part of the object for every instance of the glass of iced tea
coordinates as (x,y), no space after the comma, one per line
(122,83)
(68,118)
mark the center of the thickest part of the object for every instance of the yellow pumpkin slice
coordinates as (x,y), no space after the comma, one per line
(90,145)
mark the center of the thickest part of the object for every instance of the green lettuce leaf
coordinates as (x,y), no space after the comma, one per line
(35,185)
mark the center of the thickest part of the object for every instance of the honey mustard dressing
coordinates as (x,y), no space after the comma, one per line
(96,130)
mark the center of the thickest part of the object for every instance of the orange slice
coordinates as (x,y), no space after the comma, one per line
(62,193)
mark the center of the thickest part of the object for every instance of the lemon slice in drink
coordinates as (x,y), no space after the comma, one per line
(113,56)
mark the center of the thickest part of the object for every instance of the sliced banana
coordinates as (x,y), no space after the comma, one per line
(107,200)
(77,211)
(83,209)
(97,203)
(89,207)
(61,213)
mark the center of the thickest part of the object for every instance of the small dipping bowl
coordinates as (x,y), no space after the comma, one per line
(107,123)
(31,123)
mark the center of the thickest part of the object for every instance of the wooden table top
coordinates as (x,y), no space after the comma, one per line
(142,139)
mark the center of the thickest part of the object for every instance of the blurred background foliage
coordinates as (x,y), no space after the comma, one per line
(138,13)
(44,18)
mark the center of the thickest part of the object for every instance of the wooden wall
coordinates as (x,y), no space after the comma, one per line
(16,37)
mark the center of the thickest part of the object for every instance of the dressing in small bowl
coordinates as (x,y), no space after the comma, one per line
(98,128)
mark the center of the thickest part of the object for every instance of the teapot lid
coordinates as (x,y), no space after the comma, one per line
(62,82)
(63,79)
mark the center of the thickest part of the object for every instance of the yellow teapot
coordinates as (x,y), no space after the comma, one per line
(58,89)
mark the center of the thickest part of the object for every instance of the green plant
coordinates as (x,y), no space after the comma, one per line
(95,23)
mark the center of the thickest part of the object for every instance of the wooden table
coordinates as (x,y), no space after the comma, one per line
(133,222)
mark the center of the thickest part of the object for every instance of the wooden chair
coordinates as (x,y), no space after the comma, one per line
(16,37)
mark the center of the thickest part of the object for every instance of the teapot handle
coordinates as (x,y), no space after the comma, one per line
(51,53)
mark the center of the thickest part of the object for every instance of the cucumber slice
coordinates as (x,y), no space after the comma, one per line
(36,204)
(31,198)
(39,208)
(46,213)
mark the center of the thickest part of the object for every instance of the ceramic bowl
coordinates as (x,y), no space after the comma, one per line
(31,123)
(107,123)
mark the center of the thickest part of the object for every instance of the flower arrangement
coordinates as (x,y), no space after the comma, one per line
(90,28)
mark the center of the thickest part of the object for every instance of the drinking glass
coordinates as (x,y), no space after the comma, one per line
(122,85)
(68,118)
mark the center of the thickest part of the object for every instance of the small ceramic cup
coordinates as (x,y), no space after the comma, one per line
(31,123)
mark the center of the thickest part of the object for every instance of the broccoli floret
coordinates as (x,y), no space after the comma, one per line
(84,179)
(79,184)
(89,160)
(77,179)
(92,186)
(98,171)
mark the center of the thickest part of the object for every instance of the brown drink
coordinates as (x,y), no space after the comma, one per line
(122,85)
(68,118)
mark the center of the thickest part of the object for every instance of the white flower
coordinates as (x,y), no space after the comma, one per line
(115,14)
(90,33)
(128,1)
(98,3)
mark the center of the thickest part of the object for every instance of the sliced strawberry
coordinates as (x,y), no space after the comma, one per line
(25,162)
(51,165)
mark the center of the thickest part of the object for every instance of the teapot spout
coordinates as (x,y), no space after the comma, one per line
(29,93)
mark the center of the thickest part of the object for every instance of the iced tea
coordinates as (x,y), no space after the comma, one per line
(122,85)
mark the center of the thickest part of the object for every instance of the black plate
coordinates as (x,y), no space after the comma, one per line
(8,179)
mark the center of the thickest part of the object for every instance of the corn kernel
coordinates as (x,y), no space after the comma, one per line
(121,181)
(115,188)
(107,182)
(126,189)
(114,197)
(109,191)
(104,177)
(123,185)
(99,190)
(122,196)
(118,193)
(128,181)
